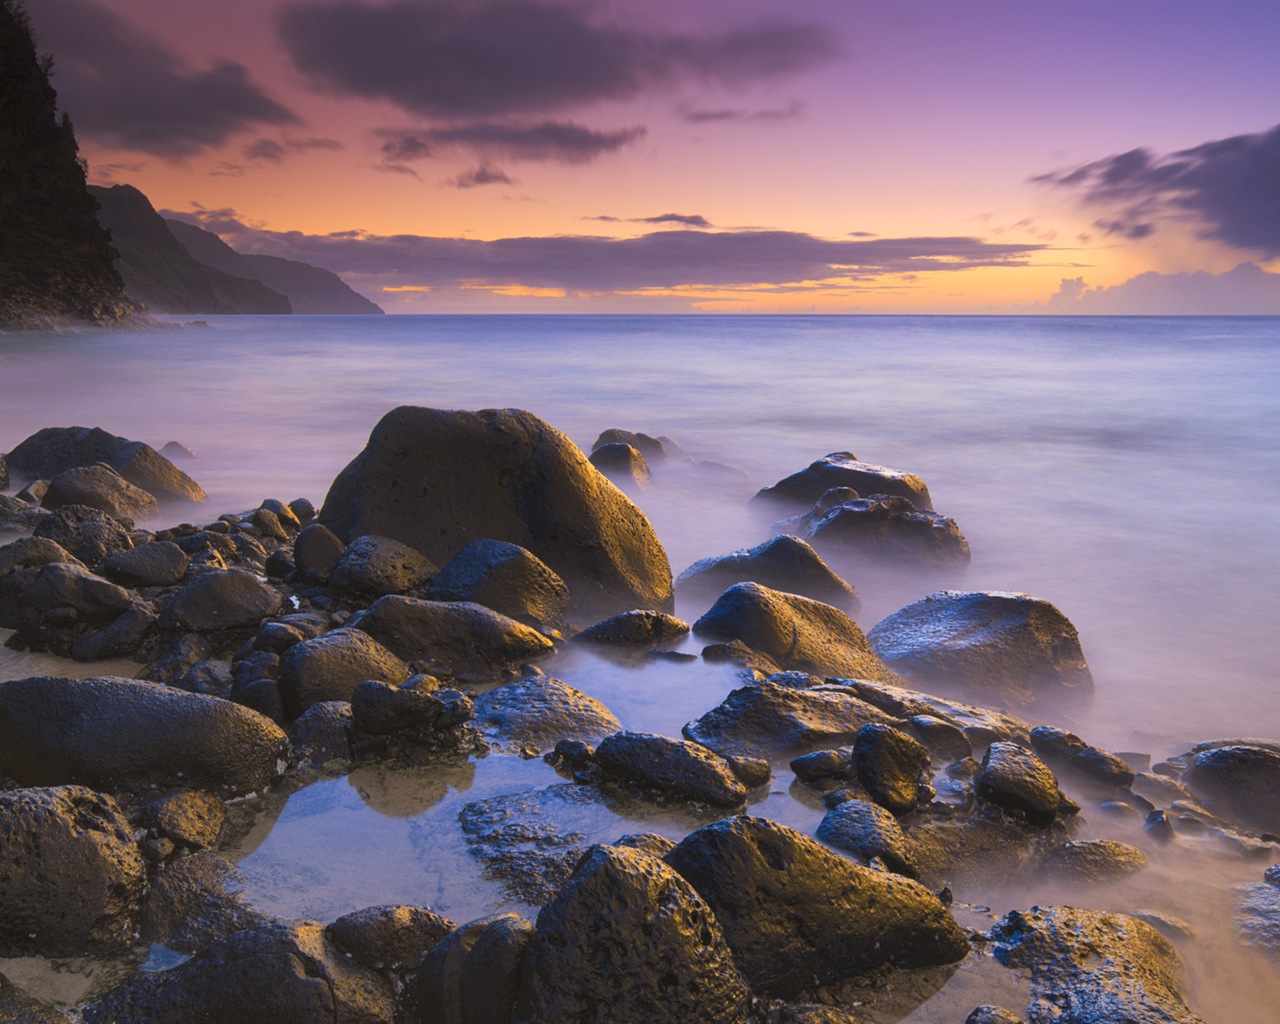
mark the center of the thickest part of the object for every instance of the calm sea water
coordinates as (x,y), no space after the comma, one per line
(1127,469)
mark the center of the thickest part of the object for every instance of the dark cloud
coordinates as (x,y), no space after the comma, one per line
(275,150)
(557,141)
(126,89)
(485,174)
(733,115)
(1229,186)
(689,220)
(1248,290)
(576,263)
(474,59)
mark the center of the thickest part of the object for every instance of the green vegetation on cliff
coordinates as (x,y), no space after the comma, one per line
(55,259)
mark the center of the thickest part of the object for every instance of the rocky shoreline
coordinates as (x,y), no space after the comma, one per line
(406,621)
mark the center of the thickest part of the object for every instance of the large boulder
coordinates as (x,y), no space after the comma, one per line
(1238,779)
(71,874)
(372,566)
(784,563)
(505,577)
(797,915)
(993,643)
(111,733)
(389,937)
(437,479)
(473,975)
(538,712)
(159,563)
(221,599)
(49,452)
(672,768)
(87,533)
(330,667)
(628,939)
(794,632)
(886,528)
(99,487)
(842,469)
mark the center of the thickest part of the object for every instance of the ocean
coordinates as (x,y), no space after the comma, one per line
(1126,469)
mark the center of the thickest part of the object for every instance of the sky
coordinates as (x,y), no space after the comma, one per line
(722,156)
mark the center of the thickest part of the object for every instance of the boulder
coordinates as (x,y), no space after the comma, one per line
(189,818)
(505,577)
(391,937)
(411,724)
(885,528)
(61,588)
(330,666)
(155,564)
(112,733)
(221,599)
(316,552)
(1258,913)
(784,563)
(1238,779)
(51,451)
(321,735)
(453,636)
(437,480)
(842,469)
(196,900)
(538,711)
(634,629)
(1091,967)
(32,553)
(629,939)
(622,464)
(797,915)
(655,449)
(372,566)
(71,874)
(997,644)
(969,852)
(1093,861)
(1014,779)
(85,532)
(473,975)
(99,487)
(794,632)
(890,766)
(867,831)
(767,720)
(672,768)
(979,725)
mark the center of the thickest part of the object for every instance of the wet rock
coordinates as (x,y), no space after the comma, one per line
(372,566)
(1102,767)
(112,733)
(655,449)
(673,768)
(505,577)
(262,696)
(316,552)
(1014,779)
(1240,780)
(944,740)
(969,852)
(473,975)
(539,711)
(751,771)
(994,643)
(885,528)
(842,469)
(979,725)
(622,464)
(867,830)
(992,1015)
(646,842)
(794,632)
(191,819)
(1093,861)
(767,720)
(1258,914)
(60,587)
(223,599)
(179,657)
(330,666)
(211,676)
(889,766)
(634,629)
(71,874)
(85,532)
(196,900)
(797,915)
(824,764)
(450,636)
(390,937)
(1090,967)
(784,563)
(278,635)
(156,564)
(33,552)
(51,451)
(99,487)
(320,735)
(1055,744)
(628,933)
(411,724)
(274,973)
(437,480)
(735,652)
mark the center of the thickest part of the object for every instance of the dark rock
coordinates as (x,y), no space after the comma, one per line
(1090,967)
(539,711)
(113,733)
(330,666)
(71,874)
(157,564)
(190,818)
(622,464)
(178,658)
(646,842)
(437,480)
(1102,767)
(768,721)
(278,635)
(1056,744)
(279,564)
(85,532)
(411,724)
(176,450)
(735,652)
(1158,826)
(262,696)
(99,487)
(220,600)
(655,449)
(969,852)
(506,578)
(473,975)
(1093,861)
(1258,916)
(372,566)
(320,734)
(34,492)
(33,553)
(50,451)
(633,629)
(784,563)
(794,632)
(867,830)
(61,586)
(797,915)
(4,473)
(751,771)
(979,725)
(303,509)
(889,766)
(1014,779)
(211,676)
(628,934)
(276,972)
(824,764)
(454,636)
(992,1015)
(316,552)
(994,643)
(390,937)
(944,739)
(676,768)
(842,469)
(379,709)
(1239,780)
(884,528)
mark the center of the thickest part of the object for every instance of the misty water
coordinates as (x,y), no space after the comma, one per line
(1126,469)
